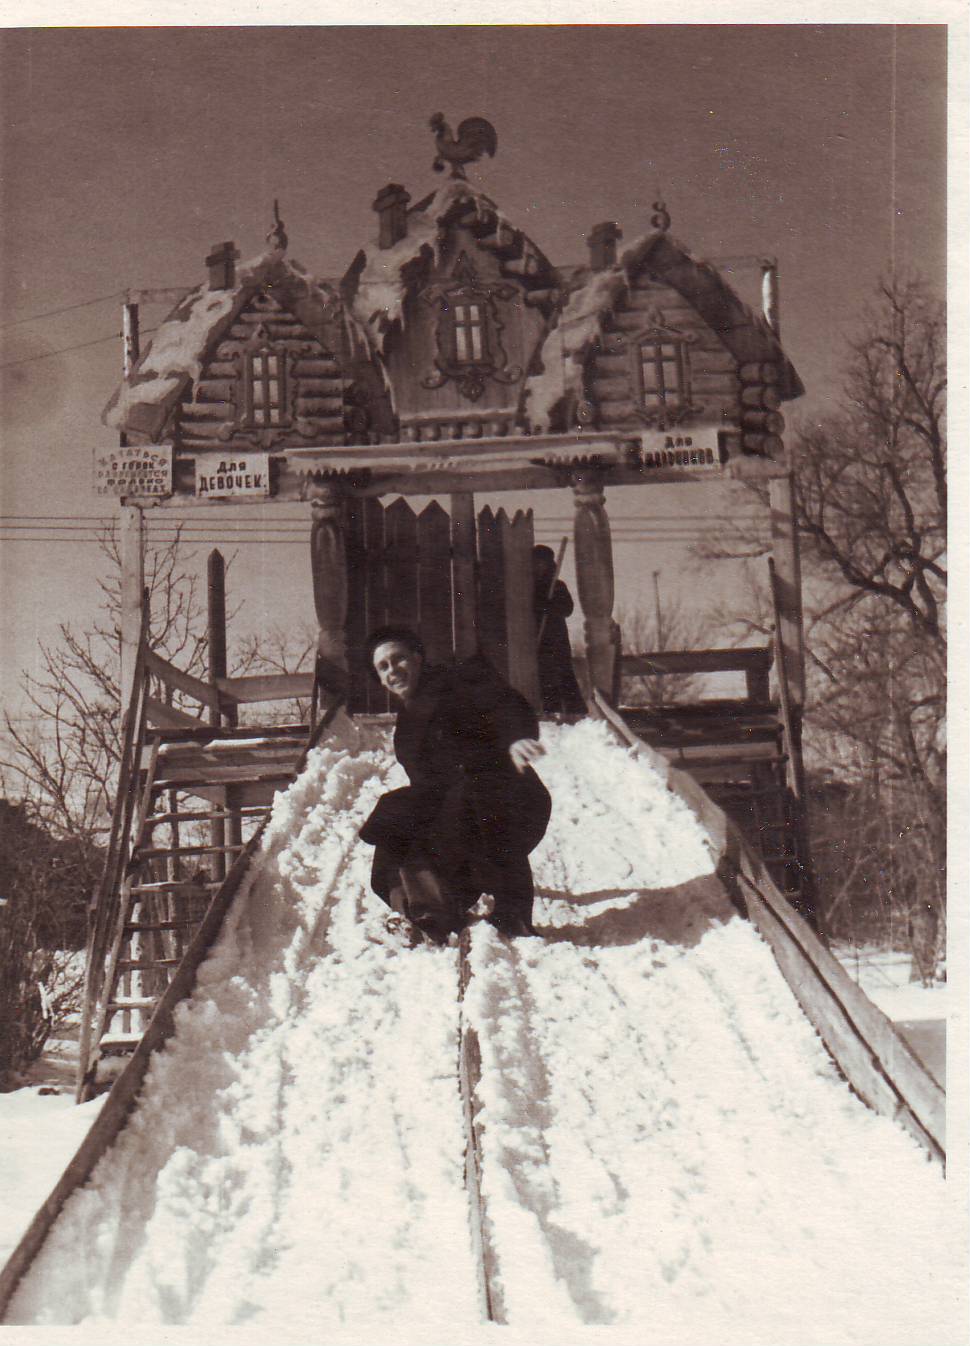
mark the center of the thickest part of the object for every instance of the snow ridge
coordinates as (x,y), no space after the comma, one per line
(667,1149)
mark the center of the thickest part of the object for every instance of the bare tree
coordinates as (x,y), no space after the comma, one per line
(59,763)
(669,627)
(871,498)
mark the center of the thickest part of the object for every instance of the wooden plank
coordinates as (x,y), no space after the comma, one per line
(178,777)
(464,567)
(469,1080)
(133,730)
(520,624)
(183,682)
(787,585)
(874,1058)
(354,542)
(401,560)
(264,687)
(376,591)
(698,661)
(491,590)
(168,717)
(204,733)
(260,755)
(131,549)
(434,583)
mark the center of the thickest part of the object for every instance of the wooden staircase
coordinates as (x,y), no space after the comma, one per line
(190,795)
(745,752)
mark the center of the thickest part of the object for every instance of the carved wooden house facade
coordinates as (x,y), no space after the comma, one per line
(454,357)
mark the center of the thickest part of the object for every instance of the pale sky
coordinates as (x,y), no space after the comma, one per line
(127,153)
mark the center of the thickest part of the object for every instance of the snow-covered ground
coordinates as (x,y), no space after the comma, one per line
(667,1147)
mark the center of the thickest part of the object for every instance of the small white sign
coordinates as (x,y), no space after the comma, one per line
(134,470)
(242,475)
(694,449)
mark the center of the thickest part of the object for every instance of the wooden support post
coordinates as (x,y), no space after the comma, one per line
(132,553)
(788,585)
(594,579)
(216,590)
(463,552)
(130,338)
(328,562)
(769,294)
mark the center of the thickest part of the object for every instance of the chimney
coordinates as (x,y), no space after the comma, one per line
(602,245)
(222,266)
(391,206)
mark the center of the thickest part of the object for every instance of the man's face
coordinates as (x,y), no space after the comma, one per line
(398,667)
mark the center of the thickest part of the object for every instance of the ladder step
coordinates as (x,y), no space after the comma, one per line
(175,886)
(134,1003)
(139,927)
(249,811)
(161,852)
(228,776)
(145,964)
(112,1045)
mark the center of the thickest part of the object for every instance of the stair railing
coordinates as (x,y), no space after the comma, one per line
(103,907)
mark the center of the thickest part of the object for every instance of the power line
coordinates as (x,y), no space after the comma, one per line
(68,308)
(64,350)
(12,364)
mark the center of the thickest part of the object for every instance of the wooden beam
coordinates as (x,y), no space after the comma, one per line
(264,687)
(520,622)
(328,564)
(788,584)
(594,577)
(742,660)
(132,553)
(168,717)
(463,554)
(178,678)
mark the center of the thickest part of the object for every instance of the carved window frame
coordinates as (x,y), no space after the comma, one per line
(258,412)
(662,401)
(468,317)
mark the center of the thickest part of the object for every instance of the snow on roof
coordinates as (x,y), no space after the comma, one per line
(180,345)
(565,347)
(746,333)
(379,297)
(175,354)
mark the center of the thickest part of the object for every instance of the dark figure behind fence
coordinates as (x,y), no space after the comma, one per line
(474,808)
(553,603)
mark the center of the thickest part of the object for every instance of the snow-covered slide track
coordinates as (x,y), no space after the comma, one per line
(660,1134)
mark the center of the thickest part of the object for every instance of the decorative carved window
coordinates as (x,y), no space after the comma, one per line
(266,402)
(662,371)
(468,333)
(468,317)
(660,375)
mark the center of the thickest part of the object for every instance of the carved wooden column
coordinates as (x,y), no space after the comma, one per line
(594,578)
(328,562)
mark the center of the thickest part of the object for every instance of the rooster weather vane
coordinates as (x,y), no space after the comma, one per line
(475,137)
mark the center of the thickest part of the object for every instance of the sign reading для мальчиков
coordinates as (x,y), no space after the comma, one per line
(133,470)
(247,475)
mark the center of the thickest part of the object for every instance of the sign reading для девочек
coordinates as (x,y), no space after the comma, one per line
(134,470)
(247,475)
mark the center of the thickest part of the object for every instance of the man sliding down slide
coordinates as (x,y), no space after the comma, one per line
(474,808)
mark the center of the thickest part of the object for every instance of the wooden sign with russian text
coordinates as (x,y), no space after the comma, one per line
(133,470)
(248,475)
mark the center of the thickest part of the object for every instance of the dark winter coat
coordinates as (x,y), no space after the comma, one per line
(467,812)
(557,681)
